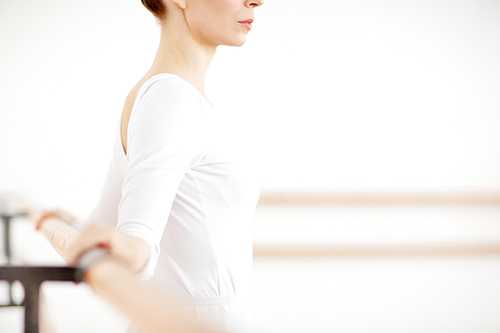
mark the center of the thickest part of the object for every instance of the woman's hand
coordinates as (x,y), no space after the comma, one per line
(130,251)
(59,234)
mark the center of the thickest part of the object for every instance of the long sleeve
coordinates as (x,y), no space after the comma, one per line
(165,139)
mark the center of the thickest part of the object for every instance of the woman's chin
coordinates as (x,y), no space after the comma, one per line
(236,41)
(240,44)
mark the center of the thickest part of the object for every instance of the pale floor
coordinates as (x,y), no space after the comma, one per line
(351,295)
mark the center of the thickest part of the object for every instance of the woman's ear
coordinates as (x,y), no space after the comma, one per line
(181,3)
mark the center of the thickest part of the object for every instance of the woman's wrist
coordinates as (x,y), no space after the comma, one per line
(97,275)
(90,264)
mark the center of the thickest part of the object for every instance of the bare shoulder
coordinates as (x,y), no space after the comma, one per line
(127,110)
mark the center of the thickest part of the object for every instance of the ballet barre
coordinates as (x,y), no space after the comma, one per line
(6,219)
(31,277)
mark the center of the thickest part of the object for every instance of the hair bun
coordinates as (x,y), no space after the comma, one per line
(157,7)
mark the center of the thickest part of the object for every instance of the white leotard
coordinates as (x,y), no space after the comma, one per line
(181,190)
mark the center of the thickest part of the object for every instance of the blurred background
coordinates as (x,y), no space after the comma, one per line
(374,125)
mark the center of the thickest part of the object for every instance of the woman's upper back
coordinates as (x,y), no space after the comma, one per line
(184,192)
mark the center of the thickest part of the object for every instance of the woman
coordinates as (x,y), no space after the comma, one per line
(177,206)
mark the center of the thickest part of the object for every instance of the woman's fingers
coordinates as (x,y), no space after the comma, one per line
(59,234)
(72,245)
(94,235)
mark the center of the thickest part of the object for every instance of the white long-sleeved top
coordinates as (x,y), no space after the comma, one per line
(190,198)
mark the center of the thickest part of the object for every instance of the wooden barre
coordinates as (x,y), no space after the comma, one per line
(377,250)
(378,198)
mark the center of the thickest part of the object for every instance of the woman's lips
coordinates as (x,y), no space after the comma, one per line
(247,24)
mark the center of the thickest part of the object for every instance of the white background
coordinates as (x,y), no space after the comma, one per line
(325,95)
(329,95)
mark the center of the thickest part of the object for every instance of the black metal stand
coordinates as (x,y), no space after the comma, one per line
(31,278)
(6,236)
(7,219)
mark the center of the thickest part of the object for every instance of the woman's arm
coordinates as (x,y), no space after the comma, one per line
(147,307)
(114,278)
(71,245)
(166,138)
(130,251)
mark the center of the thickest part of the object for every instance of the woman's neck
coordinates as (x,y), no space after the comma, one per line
(182,55)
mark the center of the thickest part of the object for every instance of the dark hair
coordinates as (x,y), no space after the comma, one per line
(157,7)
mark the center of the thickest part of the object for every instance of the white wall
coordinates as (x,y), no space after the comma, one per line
(333,95)
(326,94)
